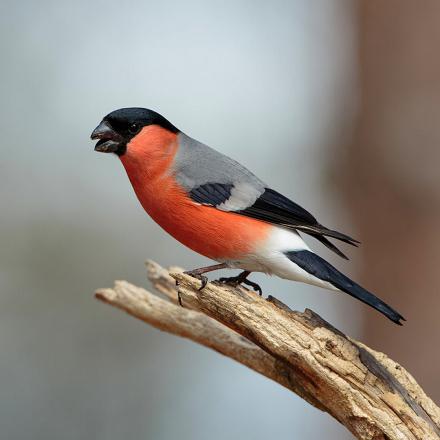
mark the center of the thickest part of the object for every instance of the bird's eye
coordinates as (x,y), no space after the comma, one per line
(133,128)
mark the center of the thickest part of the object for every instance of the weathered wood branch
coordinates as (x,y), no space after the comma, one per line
(374,397)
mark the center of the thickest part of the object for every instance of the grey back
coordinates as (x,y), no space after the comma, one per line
(196,164)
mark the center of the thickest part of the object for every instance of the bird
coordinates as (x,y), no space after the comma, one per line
(218,208)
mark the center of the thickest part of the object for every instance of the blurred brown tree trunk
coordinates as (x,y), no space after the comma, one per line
(391,178)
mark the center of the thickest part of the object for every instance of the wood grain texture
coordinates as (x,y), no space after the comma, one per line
(370,394)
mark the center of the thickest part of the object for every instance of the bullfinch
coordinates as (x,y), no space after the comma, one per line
(218,208)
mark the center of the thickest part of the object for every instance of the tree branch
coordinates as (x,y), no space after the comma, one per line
(371,395)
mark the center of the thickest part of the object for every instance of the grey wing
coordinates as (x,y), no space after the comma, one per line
(219,181)
(212,178)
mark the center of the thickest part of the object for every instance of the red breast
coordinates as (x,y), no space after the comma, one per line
(204,229)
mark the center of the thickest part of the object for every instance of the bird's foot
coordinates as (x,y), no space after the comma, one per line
(241,279)
(254,286)
(196,274)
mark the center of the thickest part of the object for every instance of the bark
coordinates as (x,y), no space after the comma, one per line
(370,394)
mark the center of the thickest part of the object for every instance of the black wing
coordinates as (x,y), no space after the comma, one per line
(273,207)
(212,194)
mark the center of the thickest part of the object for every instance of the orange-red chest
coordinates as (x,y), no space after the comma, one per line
(213,233)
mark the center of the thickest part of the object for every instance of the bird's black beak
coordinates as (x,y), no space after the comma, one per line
(109,140)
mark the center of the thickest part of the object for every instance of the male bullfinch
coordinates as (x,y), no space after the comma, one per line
(218,208)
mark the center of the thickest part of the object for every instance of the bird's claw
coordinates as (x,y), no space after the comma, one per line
(232,281)
(199,276)
(254,286)
(239,279)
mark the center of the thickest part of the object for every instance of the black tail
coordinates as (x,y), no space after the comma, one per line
(318,267)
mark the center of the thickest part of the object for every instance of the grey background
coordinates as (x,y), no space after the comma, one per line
(271,84)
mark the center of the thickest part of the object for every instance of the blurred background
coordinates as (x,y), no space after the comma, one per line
(333,102)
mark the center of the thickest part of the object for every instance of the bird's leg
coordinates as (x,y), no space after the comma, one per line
(242,279)
(198,273)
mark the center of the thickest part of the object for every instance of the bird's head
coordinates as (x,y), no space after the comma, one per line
(121,126)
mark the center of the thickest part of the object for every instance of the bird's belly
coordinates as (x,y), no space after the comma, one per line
(219,235)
